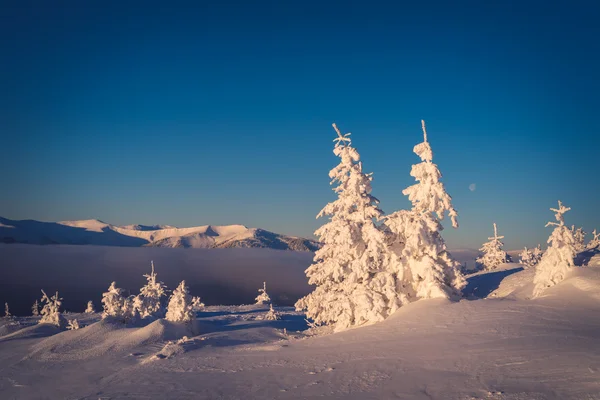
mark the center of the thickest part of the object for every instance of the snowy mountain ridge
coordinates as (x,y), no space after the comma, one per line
(97,232)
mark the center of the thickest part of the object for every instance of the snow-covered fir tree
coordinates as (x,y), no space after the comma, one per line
(148,302)
(90,308)
(116,305)
(594,243)
(531,257)
(493,255)
(263,297)
(557,261)
(272,315)
(197,304)
(35,309)
(180,308)
(422,262)
(7,313)
(51,311)
(353,284)
(579,237)
(73,325)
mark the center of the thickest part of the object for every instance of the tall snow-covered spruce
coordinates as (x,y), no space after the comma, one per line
(424,267)
(493,255)
(353,285)
(557,261)
(180,308)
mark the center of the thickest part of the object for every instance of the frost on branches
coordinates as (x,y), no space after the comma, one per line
(180,308)
(557,261)
(73,325)
(197,304)
(493,255)
(594,243)
(354,286)
(272,315)
(90,308)
(117,306)
(579,237)
(147,303)
(263,297)
(51,311)
(421,257)
(531,257)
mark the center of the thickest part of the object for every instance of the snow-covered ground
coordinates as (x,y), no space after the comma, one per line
(497,344)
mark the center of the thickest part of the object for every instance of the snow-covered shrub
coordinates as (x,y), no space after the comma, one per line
(180,308)
(579,237)
(557,261)
(197,304)
(73,325)
(90,308)
(353,286)
(263,297)
(35,309)
(594,243)
(423,266)
(272,315)
(7,313)
(117,306)
(51,311)
(531,257)
(148,302)
(493,255)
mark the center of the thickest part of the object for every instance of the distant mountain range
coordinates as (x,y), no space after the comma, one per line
(96,232)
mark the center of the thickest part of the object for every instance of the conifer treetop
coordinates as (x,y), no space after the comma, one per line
(559,214)
(341,139)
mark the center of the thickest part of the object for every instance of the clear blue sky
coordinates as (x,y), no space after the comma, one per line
(220,112)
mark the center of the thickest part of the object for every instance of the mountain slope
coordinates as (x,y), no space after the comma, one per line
(96,232)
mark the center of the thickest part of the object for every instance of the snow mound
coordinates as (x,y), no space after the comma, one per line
(104,337)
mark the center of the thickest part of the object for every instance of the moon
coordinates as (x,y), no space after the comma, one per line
(472,187)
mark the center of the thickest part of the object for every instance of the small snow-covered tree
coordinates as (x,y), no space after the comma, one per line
(263,297)
(35,309)
(90,308)
(421,256)
(7,313)
(180,308)
(73,325)
(113,302)
(353,284)
(51,311)
(531,257)
(272,315)
(197,304)
(148,302)
(493,255)
(579,237)
(557,261)
(594,243)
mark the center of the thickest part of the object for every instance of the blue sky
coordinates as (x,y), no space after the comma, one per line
(220,112)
